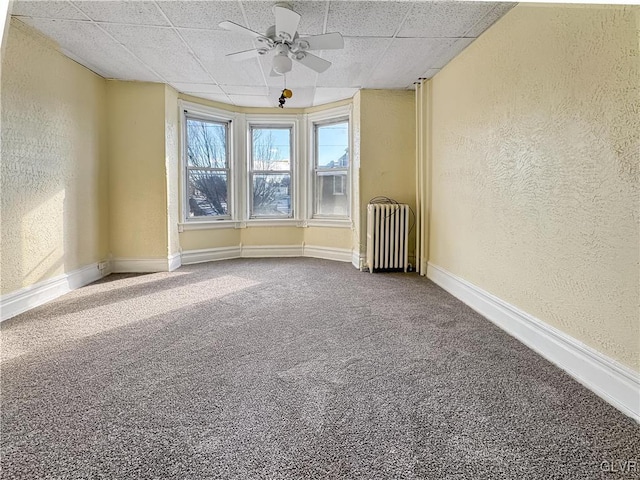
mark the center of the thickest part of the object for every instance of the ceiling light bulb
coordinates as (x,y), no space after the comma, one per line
(281,64)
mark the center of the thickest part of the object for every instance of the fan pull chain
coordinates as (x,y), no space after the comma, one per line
(286,93)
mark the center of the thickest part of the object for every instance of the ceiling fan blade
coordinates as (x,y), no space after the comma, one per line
(327,41)
(244,55)
(286,21)
(234,27)
(314,63)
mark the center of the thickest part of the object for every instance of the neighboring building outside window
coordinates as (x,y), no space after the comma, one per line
(331,169)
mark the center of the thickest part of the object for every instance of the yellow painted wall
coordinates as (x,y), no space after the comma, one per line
(213,238)
(328,237)
(386,136)
(536,170)
(271,236)
(172,165)
(54,170)
(137,173)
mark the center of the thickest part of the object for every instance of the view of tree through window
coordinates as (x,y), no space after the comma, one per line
(271,172)
(207,168)
(331,169)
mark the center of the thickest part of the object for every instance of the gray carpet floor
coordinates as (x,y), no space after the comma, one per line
(289,368)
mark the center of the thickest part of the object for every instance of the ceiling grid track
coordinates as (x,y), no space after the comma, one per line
(193,54)
(93,22)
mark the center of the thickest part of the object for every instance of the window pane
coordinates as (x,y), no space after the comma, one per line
(207,193)
(333,145)
(206,144)
(332,194)
(272,195)
(271,148)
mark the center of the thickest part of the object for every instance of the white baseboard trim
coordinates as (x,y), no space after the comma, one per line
(190,257)
(265,251)
(613,382)
(175,261)
(357,260)
(20,301)
(328,253)
(140,265)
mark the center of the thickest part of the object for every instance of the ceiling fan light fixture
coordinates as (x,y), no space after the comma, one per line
(282,64)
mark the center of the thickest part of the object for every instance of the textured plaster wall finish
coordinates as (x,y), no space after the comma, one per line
(386,137)
(536,170)
(137,170)
(54,169)
(172,165)
(5,17)
(212,238)
(328,237)
(272,236)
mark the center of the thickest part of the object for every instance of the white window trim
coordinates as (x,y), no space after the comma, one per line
(312,119)
(195,110)
(284,121)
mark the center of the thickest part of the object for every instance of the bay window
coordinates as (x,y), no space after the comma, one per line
(264,169)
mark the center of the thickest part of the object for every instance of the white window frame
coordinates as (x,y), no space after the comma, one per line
(291,122)
(327,117)
(195,111)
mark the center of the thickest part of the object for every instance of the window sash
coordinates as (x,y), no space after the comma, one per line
(319,171)
(226,170)
(254,173)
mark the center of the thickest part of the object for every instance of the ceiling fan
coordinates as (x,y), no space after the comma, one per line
(283,38)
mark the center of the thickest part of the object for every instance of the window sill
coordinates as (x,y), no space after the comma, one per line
(271,222)
(329,222)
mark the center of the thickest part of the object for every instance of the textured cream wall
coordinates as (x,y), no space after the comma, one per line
(172,165)
(328,237)
(536,169)
(54,170)
(386,137)
(214,238)
(137,173)
(271,236)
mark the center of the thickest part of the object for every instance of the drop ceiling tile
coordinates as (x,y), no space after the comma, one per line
(327,95)
(216,97)
(443,19)
(131,12)
(254,100)
(211,47)
(197,87)
(430,73)
(53,9)
(244,90)
(459,44)
(406,59)
(352,65)
(205,15)
(493,16)
(162,50)
(91,47)
(260,15)
(366,19)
